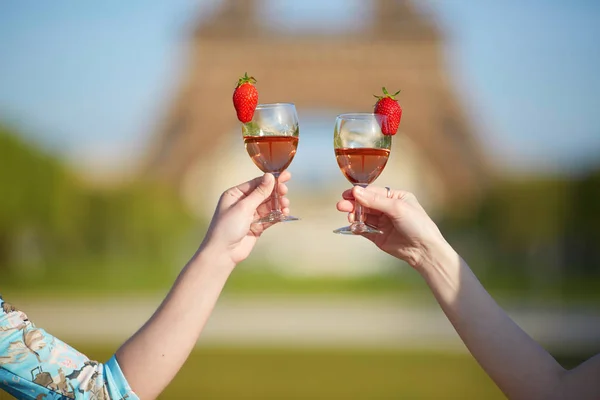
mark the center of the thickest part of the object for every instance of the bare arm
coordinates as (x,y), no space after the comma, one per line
(153,356)
(520,367)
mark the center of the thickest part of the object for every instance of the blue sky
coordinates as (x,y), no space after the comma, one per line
(91,79)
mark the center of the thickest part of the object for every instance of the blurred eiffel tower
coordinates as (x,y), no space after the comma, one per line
(400,48)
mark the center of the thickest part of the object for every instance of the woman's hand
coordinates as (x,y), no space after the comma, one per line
(408,232)
(231,230)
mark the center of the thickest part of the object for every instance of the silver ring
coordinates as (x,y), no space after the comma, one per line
(389,193)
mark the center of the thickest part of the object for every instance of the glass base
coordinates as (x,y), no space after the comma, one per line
(274,217)
(357,229)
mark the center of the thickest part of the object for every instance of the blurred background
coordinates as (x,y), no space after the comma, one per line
(117,135)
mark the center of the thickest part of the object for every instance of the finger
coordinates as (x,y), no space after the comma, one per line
(260,193)
(247,187)
(267,205)
(348,206)
(394,194)
(348,194)
(345,206)
(282,189)
(258,229)
(374,200)
(284,176)
(269,201)
(380,191)
(285,211)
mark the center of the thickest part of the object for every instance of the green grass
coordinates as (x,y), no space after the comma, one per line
(96,279)
(90,278)
(219,373)
(93,279)
(249,281)
(253,373)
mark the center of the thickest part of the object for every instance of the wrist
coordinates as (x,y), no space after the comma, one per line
(434,254)
(214,256)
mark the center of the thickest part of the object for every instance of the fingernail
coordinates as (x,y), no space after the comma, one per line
(359,190)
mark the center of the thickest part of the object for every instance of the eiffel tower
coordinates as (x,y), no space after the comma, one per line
(399,48)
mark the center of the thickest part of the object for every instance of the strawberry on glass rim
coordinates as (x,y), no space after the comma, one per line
(388,105)
(245,98)
(270,132)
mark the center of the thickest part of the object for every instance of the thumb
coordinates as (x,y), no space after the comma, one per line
(260,193)
(373,200)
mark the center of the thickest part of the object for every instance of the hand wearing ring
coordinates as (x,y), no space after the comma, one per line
(407,230)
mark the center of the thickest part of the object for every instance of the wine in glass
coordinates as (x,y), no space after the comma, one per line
(271,140)
(361,151)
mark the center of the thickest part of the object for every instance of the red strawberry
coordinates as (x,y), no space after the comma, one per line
(245,98)
(388,105)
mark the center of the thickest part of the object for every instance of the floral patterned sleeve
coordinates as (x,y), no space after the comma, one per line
(36,365)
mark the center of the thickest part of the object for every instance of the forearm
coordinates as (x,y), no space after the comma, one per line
(518,365)
(166,340)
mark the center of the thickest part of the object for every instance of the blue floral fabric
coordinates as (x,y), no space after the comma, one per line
(36,365)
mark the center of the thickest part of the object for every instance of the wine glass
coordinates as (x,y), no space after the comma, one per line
(361,151)
(271,140)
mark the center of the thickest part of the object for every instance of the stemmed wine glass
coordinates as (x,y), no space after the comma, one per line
(361,151)
(271,140)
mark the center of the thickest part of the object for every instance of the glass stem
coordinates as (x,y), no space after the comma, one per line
(359,217)
(275,203)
